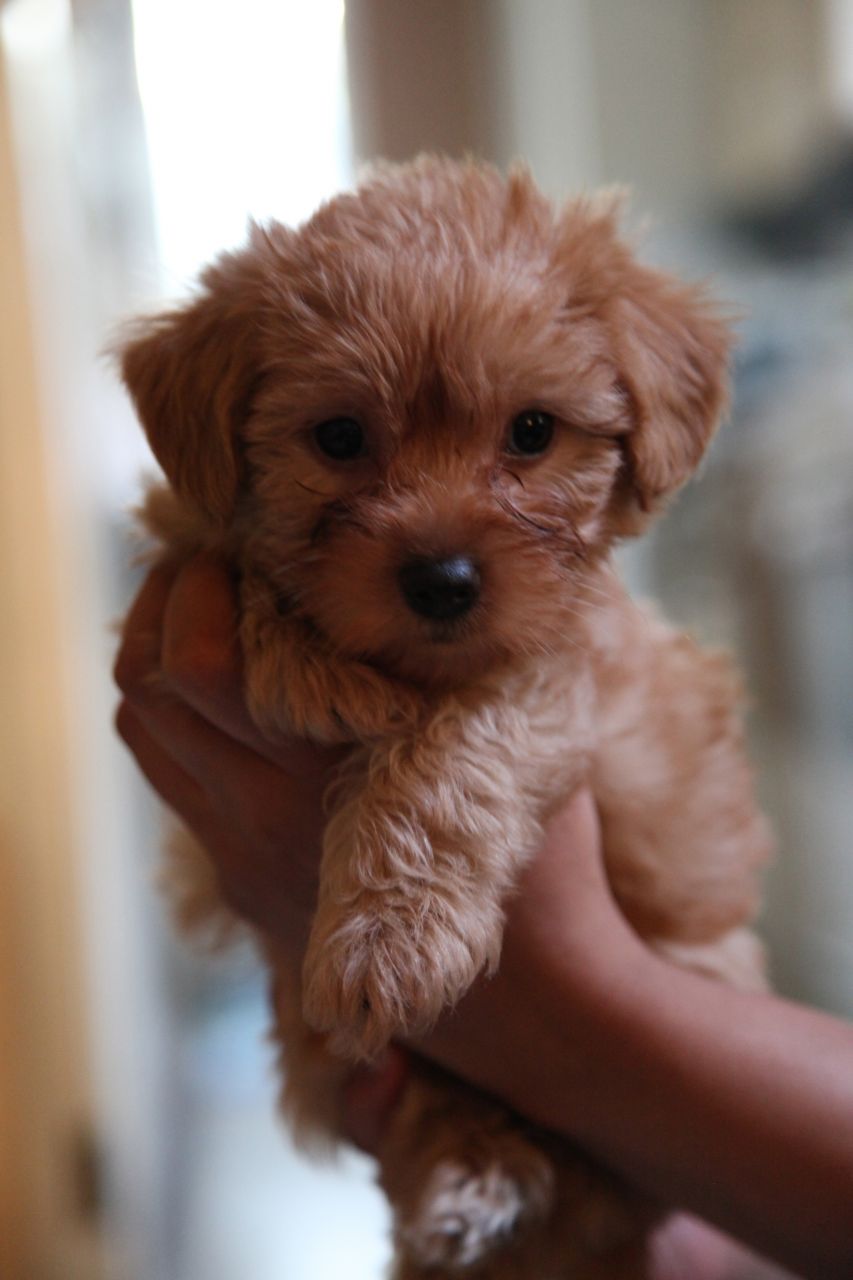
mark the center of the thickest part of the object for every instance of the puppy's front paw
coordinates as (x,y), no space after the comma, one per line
(369,705)
(324,698)
(390,968)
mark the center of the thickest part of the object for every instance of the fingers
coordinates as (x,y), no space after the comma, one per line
(172,783)
(200,654)
(682,1245)
(182,634)
(257,812)
(557,886)
(201,774)
(160,660)
(138,657)
(216,761)
(573,835)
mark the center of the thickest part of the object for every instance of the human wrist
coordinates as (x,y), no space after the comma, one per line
(546,1031)
(596,993)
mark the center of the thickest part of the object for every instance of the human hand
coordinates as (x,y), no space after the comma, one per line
(246,797)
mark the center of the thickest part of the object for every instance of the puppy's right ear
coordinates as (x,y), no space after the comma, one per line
(191,374)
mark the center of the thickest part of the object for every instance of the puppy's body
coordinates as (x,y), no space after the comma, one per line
(418,425)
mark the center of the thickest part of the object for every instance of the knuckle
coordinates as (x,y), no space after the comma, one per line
(135,662)
(125,723)
(195,662)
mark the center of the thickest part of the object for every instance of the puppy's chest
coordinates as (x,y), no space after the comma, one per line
(544,717)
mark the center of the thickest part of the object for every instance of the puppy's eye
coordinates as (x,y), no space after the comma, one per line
(340,438)
(531,432)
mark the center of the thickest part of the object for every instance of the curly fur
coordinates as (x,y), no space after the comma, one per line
(433,305)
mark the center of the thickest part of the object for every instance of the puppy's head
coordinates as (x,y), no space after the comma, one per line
(429,412)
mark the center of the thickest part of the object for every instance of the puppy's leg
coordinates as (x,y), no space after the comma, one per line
(684,838)
(464,1178)
(477,1192)
(312,1077)
(189,880)
(426,837)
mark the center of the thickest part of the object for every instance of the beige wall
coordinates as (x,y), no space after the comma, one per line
(44,1076)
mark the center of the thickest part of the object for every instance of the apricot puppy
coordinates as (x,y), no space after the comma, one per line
(417,426)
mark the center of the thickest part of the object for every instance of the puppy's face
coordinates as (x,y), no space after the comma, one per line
(429,412)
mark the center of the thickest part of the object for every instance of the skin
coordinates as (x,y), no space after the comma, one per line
(737,1108)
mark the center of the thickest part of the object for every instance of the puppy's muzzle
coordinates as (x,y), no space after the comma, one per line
(440,589)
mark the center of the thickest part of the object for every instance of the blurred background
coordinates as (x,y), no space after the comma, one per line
(136,137)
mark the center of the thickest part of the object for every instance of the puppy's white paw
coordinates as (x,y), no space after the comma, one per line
(389,969)
(466,1212)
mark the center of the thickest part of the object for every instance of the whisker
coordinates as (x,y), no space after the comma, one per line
(591,589)
(575,545)
(316,493)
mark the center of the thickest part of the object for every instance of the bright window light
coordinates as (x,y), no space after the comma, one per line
(246,114)
(28,29)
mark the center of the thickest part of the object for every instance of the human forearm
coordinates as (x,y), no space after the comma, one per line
(737,1107)
(761,1088)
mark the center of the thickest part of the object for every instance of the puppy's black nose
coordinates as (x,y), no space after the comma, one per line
(441,589)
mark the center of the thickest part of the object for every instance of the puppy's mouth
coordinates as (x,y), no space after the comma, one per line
(429,623)
(447,635)
(443,633)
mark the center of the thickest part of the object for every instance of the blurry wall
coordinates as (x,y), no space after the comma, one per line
(686,101)
(46,1101)
(84,967)
(494,78)
(770,73)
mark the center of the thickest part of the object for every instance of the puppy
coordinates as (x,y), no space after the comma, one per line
(418,426)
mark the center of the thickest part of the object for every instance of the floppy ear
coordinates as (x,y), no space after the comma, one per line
(672,346)
(668,342)
(191,375)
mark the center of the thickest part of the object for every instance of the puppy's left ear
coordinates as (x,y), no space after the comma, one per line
(672,347)
(192,373)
